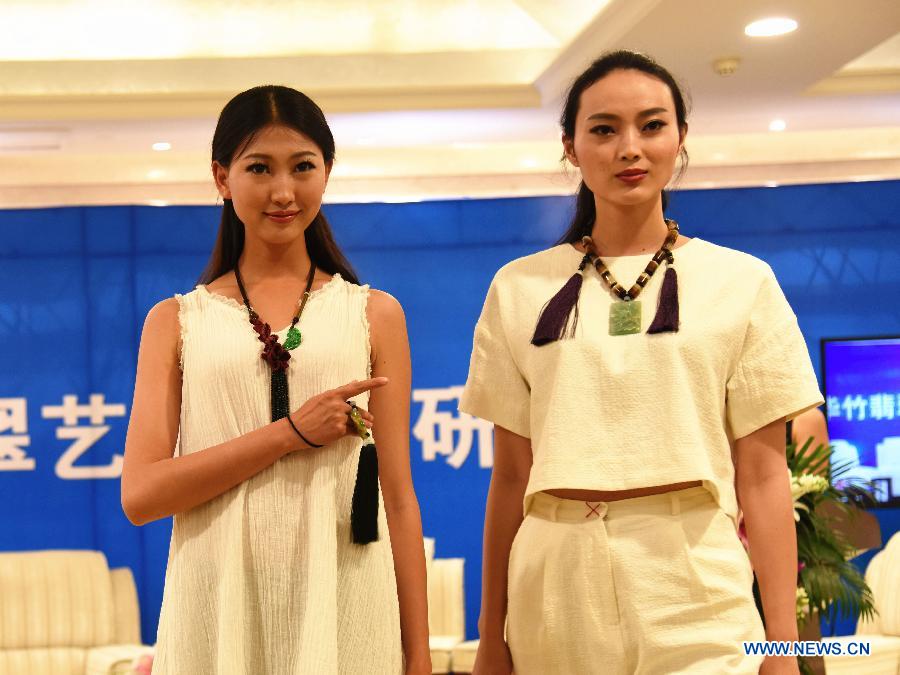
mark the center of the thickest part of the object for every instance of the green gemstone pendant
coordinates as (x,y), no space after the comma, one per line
(625,317)
(293,338)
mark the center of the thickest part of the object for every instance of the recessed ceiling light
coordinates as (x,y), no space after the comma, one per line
(777,125)
(159,147)
(770,27)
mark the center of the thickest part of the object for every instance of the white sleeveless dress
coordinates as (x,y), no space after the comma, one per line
(265,579)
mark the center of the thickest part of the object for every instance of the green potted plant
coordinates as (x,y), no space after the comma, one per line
(827,504)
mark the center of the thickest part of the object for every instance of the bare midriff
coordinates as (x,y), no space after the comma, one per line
(616,495)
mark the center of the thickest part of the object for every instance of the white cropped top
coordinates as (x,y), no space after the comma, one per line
(617,413)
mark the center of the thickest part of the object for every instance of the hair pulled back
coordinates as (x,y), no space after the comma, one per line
(585,210)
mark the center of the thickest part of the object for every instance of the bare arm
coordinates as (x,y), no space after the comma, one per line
(509,478)
(390,405)
(764,493)
(811,425)
(154,483)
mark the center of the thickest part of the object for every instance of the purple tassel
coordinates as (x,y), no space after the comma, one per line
(666,319)
(560,315)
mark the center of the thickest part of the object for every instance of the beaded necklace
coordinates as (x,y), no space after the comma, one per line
(625,316)
(273,353)
(559,316)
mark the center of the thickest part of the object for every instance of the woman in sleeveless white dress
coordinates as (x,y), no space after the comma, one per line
(264,573)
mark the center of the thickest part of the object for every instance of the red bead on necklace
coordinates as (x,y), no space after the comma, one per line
(274,353)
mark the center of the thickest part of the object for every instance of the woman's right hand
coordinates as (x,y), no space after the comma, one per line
(492,658)
(325,417)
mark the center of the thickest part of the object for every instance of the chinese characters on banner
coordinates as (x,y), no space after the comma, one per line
(442,431)
(83,435)
(859,407)
(13,435)
(450,433)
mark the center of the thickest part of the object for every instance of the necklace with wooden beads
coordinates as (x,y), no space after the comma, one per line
(625,316)
(559,316)
(273,353)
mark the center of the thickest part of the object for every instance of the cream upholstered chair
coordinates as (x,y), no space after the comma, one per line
(446,607)
(883,630)
(463,657)
(66,613)
(450,652)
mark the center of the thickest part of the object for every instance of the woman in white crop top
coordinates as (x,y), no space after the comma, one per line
(637,409)
(253,393)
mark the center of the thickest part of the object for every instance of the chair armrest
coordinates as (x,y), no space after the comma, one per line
(126,614)
(446,599)
(463,657)
(114,659)
(441,647)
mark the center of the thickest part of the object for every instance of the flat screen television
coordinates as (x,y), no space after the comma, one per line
(862,407)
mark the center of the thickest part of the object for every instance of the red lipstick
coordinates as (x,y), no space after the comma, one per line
(632,175)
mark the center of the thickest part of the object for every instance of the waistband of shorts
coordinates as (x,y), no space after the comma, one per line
(548,507)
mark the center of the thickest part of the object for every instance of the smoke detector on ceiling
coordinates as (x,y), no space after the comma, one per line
(726,66)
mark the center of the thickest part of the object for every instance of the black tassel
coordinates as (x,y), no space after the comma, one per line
(559,317)
(364,511)
(666,319)
(279,388)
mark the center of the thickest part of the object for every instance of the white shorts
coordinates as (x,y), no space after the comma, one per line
(651,586)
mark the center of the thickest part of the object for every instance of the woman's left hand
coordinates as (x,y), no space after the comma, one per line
(779,665)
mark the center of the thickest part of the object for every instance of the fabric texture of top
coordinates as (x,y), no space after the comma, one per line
(265,577)
(621,412)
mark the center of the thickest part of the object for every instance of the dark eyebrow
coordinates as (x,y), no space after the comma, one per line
(260,155)
(643,113)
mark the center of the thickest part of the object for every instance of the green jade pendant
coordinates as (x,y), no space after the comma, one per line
(625,317)
(293,338)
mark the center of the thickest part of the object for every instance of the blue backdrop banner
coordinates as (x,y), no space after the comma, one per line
(75,284)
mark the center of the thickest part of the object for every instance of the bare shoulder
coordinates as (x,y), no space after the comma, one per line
(387,325)
(162,331)
(164,314)
(384,309)
(221,282)
(226,286)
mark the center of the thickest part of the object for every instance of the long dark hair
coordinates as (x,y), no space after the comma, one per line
(240,120)
(585,210)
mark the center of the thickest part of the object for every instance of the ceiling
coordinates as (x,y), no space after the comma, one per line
(430,98)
